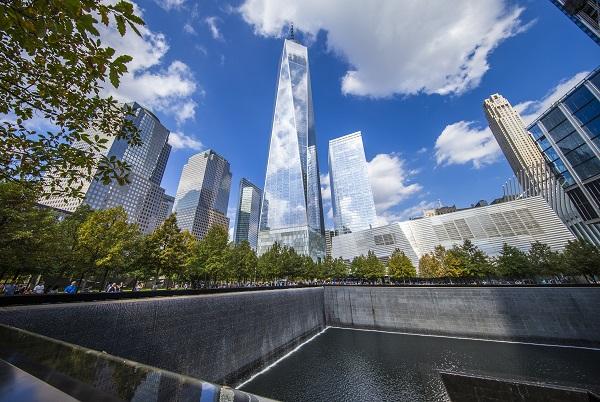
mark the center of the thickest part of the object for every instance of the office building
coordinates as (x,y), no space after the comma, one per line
(351,194)
(203,193)
(584,13)
(142,196)
(292,209)
(166,207)
(568,135)
(248,214)
(517,223)
(509,131)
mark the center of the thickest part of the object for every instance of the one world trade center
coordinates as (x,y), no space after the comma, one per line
(292,209)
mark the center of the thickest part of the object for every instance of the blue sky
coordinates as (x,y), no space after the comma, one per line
(408,75)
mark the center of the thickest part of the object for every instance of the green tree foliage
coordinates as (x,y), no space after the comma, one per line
(369,267)
(513,263)
(209,261)
(53,67)
(543,261)
(429,266)
(104,239)
(170,249)
(358,267)
(400,266)
(333,268)
(242,262)
(582,258)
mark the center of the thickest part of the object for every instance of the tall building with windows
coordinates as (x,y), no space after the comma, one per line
(584,13)
(292,209)
(142,196)
(568,134)
(248,214)
(203,193)
(351,194)
(509,130)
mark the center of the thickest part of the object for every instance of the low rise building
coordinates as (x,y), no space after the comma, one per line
(517,223)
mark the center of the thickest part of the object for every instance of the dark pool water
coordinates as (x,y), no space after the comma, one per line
(353,365)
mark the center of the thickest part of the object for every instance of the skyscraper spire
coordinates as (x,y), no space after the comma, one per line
(291,34)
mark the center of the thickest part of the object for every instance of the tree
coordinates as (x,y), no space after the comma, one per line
(582,258)
(209,261)
(542,260)
(513,263)
(333,268)
(27,232)
(358,267)
(54,67)
(429,266)
(270,263)
(476,262)
(170,248)
(103,240)
(374,268)
(400,266)
(242,262)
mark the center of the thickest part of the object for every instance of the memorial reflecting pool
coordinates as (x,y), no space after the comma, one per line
(355,365)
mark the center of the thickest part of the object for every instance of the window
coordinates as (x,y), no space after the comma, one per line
(567,179)
(579,155)
(582,204)
(592,128)
(561,131)
(581,97)
(551,154)
(588,169)
(570,142)
(596,80)
(543,143)
(536,132)
(553,119)
(588,112)
(594,189)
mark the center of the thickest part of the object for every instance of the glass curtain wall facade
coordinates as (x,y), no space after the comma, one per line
(351,194)
(292,210)
(248,214)
(568,134)
(584,13)
(203,193)
(142,197)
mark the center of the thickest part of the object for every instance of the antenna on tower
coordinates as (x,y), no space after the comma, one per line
(291,34)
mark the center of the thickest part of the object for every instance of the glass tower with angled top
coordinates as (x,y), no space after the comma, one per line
(351,195)
(292,209)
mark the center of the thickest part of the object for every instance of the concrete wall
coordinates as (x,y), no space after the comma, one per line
(212,337)
(554,315)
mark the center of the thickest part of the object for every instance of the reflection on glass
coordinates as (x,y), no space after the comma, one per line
(292,212)
(351,195)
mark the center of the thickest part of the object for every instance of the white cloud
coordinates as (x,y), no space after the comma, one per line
(170,4)
(406,214)
(398,47)
(530,110)
(181,141)
(388,179)
(462,143)
(189,28)
(422,150)
(325,186)
(168,89)
(214,28)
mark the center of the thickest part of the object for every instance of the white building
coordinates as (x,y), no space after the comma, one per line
(517,223)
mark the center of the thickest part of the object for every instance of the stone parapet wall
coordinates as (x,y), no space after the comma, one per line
(217,338)
(557,315)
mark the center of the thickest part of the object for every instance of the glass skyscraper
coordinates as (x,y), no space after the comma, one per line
(142,196)
(351,194)
(568,134)
(292,210)
(203,193)
(248,214)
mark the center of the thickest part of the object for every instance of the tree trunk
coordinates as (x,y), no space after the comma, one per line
(103,283)
(79,282)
